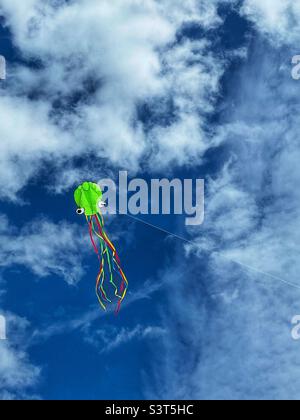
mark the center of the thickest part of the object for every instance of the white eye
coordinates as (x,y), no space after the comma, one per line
(101,204)
(80,211)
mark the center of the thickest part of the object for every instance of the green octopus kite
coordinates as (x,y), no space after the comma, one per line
(88,198)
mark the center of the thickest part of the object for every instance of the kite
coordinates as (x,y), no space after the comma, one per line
(88,198)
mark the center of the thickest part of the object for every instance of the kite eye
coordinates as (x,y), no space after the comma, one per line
(80,211)
(102,204)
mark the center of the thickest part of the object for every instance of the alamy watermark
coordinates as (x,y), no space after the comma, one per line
(296,328)
(296,67)
(2,328)
(155,197)
(2,68)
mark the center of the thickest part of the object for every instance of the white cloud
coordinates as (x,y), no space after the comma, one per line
(107,340)
(258,191)
(236,349)
(18,376)
(278,18)
(100,62)
(44,248)
(193,82)
(202,12)
(27,139)
(232,331)
(85,322)
(232,324)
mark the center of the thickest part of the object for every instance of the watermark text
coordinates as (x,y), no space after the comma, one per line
(296,67)
(155,197)
(2,68)
(2,328)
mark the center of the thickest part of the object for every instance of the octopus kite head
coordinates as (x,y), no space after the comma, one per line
(88,198)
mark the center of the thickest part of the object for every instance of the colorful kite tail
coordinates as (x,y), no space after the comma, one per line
(100,291)
(116,260)
(113,263)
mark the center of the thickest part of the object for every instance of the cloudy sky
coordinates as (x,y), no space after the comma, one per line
(193,89)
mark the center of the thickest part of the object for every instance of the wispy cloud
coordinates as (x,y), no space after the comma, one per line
(226,331)
(18,376)
(107,340)
(43,247)
(275,18)
(100,64)
(84,321)
(234,328)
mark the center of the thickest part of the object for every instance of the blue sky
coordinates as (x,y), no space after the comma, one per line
(161,89)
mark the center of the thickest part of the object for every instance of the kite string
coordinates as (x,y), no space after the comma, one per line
(194,243)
